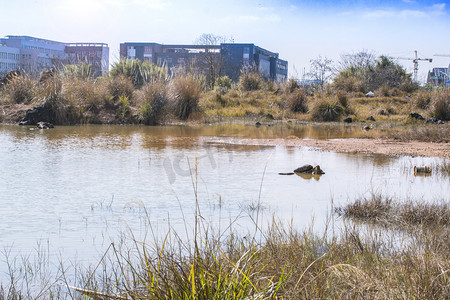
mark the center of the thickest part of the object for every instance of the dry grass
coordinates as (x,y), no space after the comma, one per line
(326,111)
(86,100)
(296,101)
(282,263)
(152,99)
(422,132)
(185,94)
(378,209)
(440,105)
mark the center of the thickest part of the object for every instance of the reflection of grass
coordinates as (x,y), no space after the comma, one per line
(443,168)
(423,133)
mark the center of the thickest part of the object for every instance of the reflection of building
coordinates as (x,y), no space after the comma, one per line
(231,59)
(33,55)
(439,76)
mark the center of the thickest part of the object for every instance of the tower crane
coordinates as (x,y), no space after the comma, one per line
(444,55)
(416,62)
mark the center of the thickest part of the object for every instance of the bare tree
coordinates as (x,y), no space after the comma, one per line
(212,60)
(321,70)
(362,60)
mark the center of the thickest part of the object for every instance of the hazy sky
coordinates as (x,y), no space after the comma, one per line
(298,30)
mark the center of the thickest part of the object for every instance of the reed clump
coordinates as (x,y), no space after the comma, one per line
(20,89)
(383,210)
(185,93)
(152,99)
(324,110)
(440,105)
(297,101)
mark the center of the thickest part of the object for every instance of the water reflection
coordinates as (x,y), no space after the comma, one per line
(308,176)
(78,186)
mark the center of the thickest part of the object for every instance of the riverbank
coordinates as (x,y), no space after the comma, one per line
(357,145)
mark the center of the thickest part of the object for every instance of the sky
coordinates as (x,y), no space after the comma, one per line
(298,30)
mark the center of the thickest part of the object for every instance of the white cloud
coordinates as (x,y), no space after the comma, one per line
(436,9)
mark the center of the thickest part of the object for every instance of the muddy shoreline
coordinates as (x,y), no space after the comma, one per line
(356,145)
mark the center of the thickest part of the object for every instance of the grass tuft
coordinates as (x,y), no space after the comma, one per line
(326,111)
(440,105)
(297,101)
(185,94)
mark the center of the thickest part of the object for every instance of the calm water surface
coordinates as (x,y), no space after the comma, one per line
(77,189)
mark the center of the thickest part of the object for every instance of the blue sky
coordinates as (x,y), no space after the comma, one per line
(298,30)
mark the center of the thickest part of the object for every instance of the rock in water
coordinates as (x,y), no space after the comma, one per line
(304,169)
(318,171)
(44,125)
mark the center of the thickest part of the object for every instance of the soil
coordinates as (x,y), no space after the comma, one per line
(377,145)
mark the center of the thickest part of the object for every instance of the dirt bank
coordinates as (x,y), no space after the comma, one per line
(378,145)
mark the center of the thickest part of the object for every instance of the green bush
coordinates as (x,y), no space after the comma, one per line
(138,72)
(224,82)
(326,111)
(81,71)
(440,105)
(185,94)
(297,101)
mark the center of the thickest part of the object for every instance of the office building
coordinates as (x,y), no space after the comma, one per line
(228,58)
(33,55)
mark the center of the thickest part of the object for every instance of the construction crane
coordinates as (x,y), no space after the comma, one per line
(416,62)
(444,55)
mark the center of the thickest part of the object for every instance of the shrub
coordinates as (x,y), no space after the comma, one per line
(138,72)
(297,101)
(422,99)
(291,85)
(153,99)
(119,86)
(326,111)
(343,99)
(21,89)
(185,93)
(250,81)
(440,105)
(224,82)
(81,71)
(383,91)
(64,111)
(81,92)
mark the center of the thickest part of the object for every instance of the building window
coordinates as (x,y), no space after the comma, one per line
(246,55)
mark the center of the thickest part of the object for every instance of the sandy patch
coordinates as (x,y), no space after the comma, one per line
(378,145)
